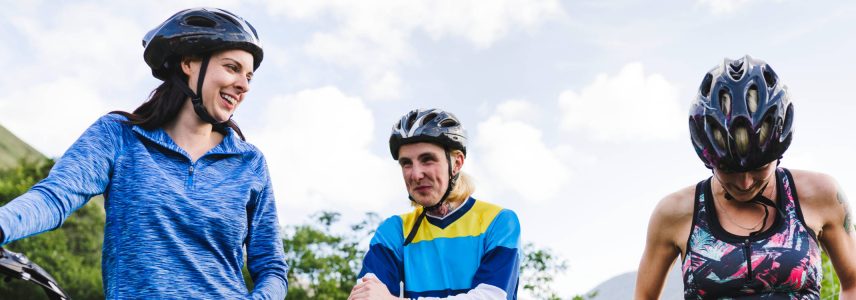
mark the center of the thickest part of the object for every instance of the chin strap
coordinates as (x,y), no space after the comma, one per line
(198,106)
(453,179)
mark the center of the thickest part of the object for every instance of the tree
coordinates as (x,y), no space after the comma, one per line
(324,264)
(72,254)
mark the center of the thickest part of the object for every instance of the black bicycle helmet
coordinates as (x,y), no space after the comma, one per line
(198,31)
(742,117)
(428,125)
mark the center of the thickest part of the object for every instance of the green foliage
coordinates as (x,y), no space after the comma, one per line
(829,287)
(539,266)
(72,254)
(324,265)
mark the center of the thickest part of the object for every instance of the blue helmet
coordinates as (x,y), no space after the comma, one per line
(742,117)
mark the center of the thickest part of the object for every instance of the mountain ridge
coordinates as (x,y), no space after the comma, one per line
(13,150)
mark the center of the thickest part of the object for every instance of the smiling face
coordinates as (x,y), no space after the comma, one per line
(226,81)
(743,186)
(425,170)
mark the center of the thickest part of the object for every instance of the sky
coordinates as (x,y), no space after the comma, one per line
(576,110)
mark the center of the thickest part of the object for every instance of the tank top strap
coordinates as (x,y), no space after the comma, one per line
(791,198)
(700,219)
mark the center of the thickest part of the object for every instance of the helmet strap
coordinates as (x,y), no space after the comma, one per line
(195,98)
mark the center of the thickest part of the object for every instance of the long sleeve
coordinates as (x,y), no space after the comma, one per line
(500,264)
(82,172)
(265,256)
(385,258)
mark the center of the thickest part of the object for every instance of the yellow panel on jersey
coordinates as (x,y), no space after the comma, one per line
(473,223)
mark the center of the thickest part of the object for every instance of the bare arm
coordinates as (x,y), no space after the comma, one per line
(828,213)
(668,225)
(839,238)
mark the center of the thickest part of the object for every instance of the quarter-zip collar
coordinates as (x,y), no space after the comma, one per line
(230,145)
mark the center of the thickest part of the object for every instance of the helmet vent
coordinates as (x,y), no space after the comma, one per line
(764,132)
(448,123)
(410,120)
(704,89)
(770,77)
(229,18)
(428,118)
(725,101)
(741,138)
(719,137)
(752,99)
(200,21)
(735,69)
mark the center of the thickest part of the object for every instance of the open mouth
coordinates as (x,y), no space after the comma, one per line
(229,99)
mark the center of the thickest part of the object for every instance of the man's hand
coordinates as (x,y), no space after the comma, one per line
(371,289)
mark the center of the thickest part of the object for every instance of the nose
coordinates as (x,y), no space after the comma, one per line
(242,85)
(416,173)
(744,180)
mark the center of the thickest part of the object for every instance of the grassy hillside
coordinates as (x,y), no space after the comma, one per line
(13,150)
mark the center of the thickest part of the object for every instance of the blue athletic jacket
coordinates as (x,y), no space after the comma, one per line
(174,228)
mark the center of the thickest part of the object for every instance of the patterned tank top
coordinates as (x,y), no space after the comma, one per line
(785,259)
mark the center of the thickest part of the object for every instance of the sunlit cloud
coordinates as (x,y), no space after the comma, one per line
(513,156)
(375,36)
(628,106)
(317,146)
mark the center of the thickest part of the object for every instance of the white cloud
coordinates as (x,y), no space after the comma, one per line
(723,6)
(388,86)
(512,157)
(317,145)
(85,40)
(374,35)
(629,106)
(50,116)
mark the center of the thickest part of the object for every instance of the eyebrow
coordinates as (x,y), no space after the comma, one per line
(427,155)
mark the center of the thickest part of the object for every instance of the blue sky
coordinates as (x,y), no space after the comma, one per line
(576,109)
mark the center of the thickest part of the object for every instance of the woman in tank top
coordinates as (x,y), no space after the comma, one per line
(753,230)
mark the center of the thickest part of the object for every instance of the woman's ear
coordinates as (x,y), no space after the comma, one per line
(185,66)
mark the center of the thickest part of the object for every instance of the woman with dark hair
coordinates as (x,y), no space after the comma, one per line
(753,230)
(185,195)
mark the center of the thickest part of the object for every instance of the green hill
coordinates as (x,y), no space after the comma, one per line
(13,150)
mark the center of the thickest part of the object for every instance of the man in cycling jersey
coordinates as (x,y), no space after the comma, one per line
(451,246)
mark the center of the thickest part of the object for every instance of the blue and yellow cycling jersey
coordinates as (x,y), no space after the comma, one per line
(477,244)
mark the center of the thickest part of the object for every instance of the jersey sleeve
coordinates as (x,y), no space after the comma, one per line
(265,256)
(385,258)
(82,172)
(500,265)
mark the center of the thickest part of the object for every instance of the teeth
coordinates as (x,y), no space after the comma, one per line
(228,98)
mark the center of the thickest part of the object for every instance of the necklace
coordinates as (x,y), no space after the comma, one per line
(728,216)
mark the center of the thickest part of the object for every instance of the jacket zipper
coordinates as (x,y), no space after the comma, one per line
(190,176)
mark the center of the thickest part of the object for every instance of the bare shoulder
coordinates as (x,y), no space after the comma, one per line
(822,199)
(678,205)
(815,189)
(673,215)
